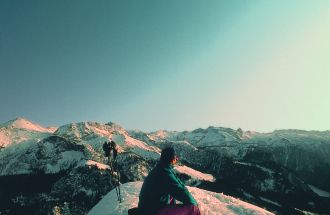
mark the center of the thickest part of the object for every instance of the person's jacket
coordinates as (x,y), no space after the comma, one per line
(158,189)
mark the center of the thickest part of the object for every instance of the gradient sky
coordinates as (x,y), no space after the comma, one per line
(178,65)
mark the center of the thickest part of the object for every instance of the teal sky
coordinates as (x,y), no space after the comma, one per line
(177,65)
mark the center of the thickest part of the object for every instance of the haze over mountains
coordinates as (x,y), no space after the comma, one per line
(285,171)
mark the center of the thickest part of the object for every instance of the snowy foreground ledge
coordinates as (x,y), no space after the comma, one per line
(209,202)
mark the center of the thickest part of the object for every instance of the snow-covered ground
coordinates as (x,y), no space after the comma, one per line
(210,203)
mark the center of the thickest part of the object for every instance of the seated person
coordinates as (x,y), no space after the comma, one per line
(162,187)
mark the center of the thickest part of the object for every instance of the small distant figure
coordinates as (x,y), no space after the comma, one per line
(113,148)
(110,148)
(111,151)
(162,188)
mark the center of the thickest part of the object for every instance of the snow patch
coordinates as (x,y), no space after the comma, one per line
(270,201)
(268,171)
(194,173)
(248,195)
(320,192)
(97,164)
(141,148)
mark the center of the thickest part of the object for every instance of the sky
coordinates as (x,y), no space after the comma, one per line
(175,65)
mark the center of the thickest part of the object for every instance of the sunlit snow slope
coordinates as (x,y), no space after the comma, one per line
(210,203)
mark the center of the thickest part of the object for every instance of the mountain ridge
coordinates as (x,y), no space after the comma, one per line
(266,169)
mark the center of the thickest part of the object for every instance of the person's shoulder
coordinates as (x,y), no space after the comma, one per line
(168,171)
(161,169)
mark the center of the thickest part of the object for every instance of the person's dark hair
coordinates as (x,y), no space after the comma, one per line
(167,155)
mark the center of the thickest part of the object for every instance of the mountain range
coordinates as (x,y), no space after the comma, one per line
(63,170)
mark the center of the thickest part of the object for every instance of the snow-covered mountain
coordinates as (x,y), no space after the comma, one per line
(94,134)
(268,169)
(66,155)
(22,123)
(299,151)
(28,146)
(285,171)
(21,130)
(49,155)
(210,203)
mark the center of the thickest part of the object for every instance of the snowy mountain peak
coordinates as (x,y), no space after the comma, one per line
(83,130)
(159,135)
(115,126)
(22,123)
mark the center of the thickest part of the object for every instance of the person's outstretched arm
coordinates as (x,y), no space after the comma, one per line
(177,189)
